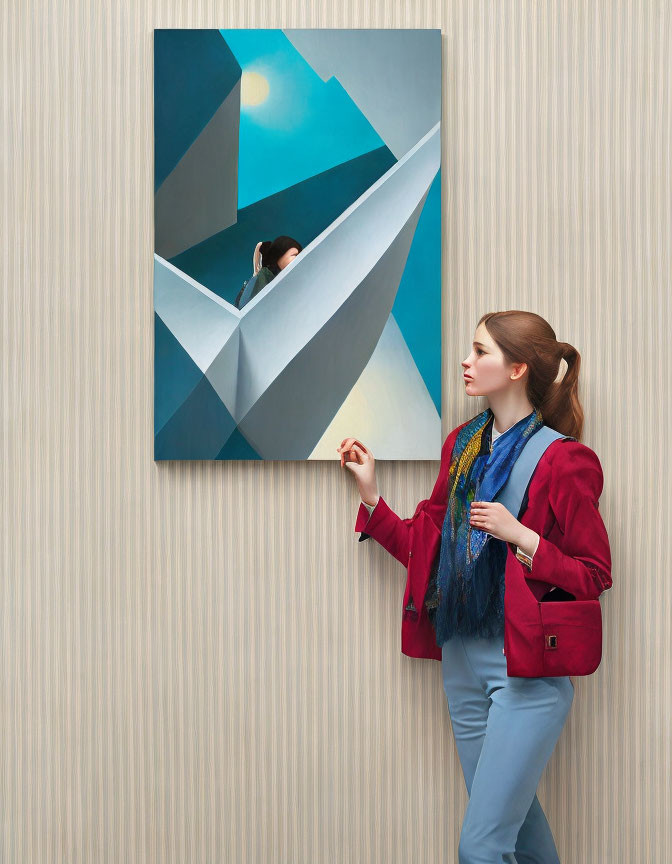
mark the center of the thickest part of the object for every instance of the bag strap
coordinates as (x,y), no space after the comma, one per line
(511,495)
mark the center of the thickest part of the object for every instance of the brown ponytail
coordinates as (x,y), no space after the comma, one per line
(524,337)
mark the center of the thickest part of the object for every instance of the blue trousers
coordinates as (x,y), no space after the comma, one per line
(505,730)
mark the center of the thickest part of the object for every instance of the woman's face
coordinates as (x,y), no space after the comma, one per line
(485,369)
(287,258)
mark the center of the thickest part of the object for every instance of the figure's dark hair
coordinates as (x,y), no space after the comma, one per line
(524,337)
(272,251)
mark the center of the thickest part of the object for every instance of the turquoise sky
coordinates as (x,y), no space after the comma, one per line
(304,127)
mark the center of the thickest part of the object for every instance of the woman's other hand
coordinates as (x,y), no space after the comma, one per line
(360,461)
(493,518)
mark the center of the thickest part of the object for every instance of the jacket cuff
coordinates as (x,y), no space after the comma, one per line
(523,557)
(368,520)
(552,566)
(387,528)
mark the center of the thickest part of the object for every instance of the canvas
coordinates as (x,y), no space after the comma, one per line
(330,138)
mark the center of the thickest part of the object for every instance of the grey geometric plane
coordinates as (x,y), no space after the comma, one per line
(284,364)
(199,197)
(392,75)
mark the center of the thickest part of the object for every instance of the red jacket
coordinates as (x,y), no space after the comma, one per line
(573,553)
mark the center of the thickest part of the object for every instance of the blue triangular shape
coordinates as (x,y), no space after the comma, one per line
(237,447)
(198,429)
(175,374)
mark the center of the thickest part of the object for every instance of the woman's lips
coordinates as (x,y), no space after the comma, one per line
(468,378)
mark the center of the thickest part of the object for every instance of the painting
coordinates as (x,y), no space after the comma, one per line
(297,243)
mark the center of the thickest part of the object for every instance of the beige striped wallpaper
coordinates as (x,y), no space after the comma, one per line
(199,663)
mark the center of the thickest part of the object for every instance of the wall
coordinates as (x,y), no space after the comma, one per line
(199,661)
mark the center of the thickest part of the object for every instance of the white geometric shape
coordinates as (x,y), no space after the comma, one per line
(200,320)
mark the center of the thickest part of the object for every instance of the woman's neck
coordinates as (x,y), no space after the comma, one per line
(506,416)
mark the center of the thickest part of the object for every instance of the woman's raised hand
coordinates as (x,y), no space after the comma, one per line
(360,461)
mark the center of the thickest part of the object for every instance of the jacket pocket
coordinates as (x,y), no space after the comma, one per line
(572,634)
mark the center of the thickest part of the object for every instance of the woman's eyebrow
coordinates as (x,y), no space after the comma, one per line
(480,344)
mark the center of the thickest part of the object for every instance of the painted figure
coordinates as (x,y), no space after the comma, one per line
(268,260)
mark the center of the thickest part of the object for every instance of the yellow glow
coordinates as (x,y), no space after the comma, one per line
(253,88)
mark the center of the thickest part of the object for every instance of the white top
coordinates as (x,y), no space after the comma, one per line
(494,437)
(496,434)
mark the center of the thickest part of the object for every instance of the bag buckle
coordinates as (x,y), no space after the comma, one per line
(551,641)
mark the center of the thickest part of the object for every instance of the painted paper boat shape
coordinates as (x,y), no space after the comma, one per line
(283,365)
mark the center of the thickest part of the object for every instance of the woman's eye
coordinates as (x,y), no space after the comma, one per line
(478,351)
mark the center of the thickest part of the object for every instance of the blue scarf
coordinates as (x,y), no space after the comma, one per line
(470,579)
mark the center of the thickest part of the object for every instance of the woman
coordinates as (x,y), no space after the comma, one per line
(505,726)
(268,260)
